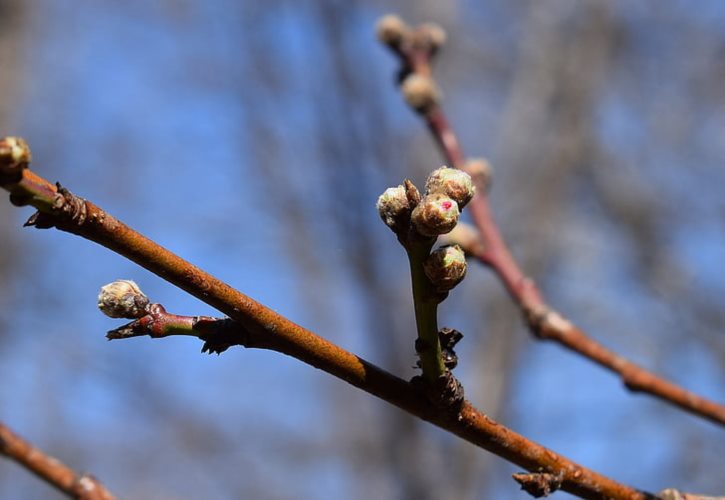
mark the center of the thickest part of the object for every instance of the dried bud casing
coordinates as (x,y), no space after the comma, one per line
(445,267)
(435,215)
(122,299)
(394,207)
(391,30)
(452,182)
(420,92)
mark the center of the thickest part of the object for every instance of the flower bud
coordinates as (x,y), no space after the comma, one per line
(14,157)
(122,299)
(452,182)
(391,30)
(435,36)
(436,214)
(394,207)
(465,236)
(445,267)
(420,92)
(480,171)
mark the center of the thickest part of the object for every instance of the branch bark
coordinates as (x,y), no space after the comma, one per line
(260,327)
(51,470)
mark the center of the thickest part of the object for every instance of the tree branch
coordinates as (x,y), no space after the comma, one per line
(415,52)
(260,327)
(51,470)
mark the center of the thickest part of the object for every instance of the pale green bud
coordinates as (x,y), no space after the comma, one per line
(445,267)
(436,214)
(452,182)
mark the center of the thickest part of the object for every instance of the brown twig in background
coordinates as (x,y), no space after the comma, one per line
(415,50)
(260,327)
(50,470)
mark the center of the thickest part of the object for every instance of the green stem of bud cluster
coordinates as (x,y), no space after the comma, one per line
(426,300)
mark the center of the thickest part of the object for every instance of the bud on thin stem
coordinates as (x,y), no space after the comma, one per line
(452,182)
(394,208)
(445,267)
(14,157)
(392,31)
(480,171)
(420,92)
(433,36)
(465,236)
(122,299)
(436,214)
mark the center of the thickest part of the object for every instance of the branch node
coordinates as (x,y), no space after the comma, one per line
(67,210)
(538,484)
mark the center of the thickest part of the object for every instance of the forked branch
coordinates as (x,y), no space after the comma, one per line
(260,327)
(415,48)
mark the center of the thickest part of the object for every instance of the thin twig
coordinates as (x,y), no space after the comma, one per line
(51,470)
(261,327)
(543,322)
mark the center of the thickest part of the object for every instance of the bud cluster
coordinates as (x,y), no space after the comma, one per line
(403,210)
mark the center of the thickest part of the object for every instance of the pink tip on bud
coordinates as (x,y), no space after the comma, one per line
(436,214)
(452,182)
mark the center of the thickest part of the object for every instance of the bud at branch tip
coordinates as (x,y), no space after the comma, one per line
(122,299)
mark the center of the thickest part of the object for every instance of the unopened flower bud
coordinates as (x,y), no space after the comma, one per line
(394,207)
(14,157)
(480,171)
(122,299)
(435,36)
(465,236)
(420,92)
(436,214)
(445,267)
(391,30)
(452,182)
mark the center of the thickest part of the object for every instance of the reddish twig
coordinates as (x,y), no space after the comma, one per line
(492,251)
(50,470)
(260,327)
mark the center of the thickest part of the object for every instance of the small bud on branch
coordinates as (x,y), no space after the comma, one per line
(480,171)
(14,157)
(394,207)
(122,299)
(445,267)
(452,182)
(392,31)
(420,92)
(436,214)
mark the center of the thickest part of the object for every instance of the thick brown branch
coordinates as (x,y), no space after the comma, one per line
(493,252)
(263,328)
(50,470)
